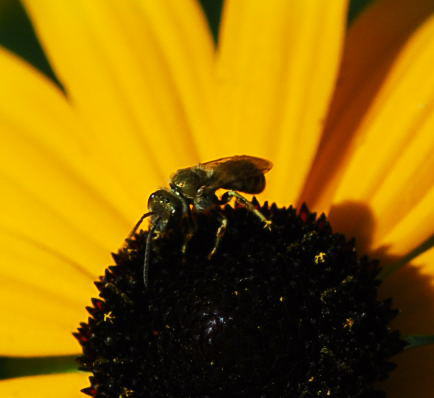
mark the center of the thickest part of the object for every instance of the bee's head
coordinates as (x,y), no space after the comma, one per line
(187,182)
(166,208)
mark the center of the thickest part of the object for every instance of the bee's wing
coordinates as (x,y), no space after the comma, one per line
(240,173)
(262,165)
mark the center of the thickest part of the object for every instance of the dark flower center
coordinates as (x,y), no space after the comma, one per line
(290,312)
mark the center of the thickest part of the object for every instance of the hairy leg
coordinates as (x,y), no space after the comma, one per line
(227,196)
(219,235)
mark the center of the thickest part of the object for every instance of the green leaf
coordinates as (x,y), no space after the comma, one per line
(30,366)
(17,35)
(213,12)
(356,7)
(392,268)
(418,340)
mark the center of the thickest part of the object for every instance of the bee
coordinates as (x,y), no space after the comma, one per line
(195,187)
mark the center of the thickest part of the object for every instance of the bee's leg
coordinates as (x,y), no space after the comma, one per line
(227,196)
(219,235)
(191,230)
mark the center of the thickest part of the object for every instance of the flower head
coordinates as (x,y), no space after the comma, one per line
(345,115)
(286,311)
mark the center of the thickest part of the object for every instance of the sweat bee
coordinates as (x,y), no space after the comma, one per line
(195,187)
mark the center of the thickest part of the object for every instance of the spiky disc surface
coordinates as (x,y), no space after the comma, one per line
(291,312)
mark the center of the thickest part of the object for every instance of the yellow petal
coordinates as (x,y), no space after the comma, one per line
(37,322)
(67,385)
(402,201)
(57,227)
(425,266)
(373,45)
(412,290)
(51,124)
(44,157)
(405,187)
(122,83)
(47,178)
(413,229)
(43,297)
(24,216)
(275,73)
(403,104)
(397,127)
(181,31)
(26,261)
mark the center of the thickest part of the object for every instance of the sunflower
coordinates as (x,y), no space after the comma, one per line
(345,115)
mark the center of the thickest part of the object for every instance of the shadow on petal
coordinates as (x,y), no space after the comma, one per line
(412,293)
(354,219)
(372,48)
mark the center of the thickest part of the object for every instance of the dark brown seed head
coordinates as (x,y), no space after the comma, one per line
(291,312)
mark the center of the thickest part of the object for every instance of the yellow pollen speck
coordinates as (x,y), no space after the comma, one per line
(212,363)
(282,299)
(311,379)
(328,393)
(236,292)
(349,322)
(167,326)
(348,279)
(320,258)
(108,316)
(126,393)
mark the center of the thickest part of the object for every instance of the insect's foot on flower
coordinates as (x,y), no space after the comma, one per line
(288,312)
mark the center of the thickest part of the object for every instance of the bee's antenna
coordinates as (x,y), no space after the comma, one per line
(136,227)
(148,252)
